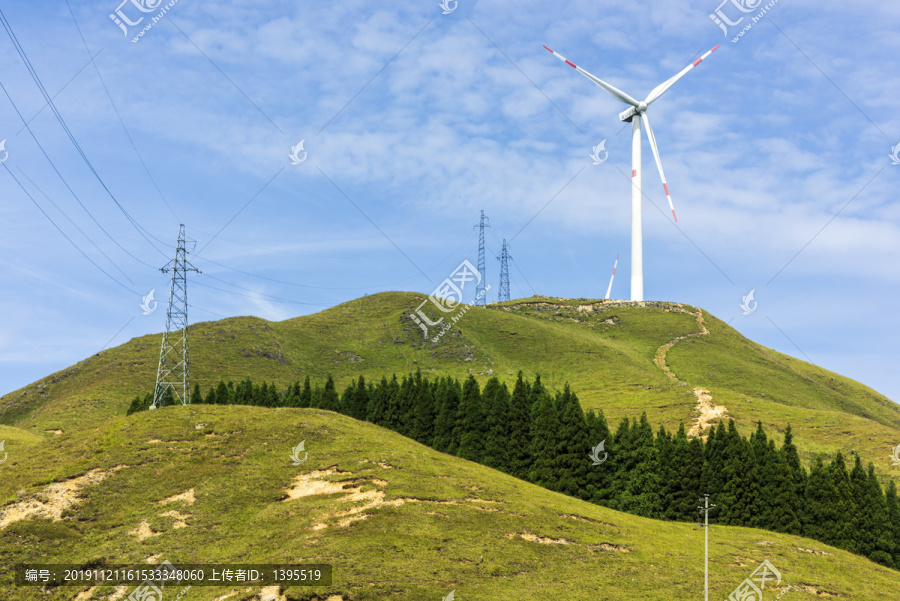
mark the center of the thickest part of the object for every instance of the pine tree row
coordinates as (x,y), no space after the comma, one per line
(545,439)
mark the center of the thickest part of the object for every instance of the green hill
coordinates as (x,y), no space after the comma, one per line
(394,518)
(607,351)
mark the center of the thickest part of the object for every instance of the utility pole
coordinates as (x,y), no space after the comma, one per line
(480,291)
(704,509)
(504,274)
(173,374)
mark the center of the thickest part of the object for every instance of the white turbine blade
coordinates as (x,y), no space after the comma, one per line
(655,150)
(661,88)
(608,290)
(614,91)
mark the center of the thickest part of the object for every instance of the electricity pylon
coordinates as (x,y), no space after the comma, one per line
(480,291)
(504,274)
(173,381)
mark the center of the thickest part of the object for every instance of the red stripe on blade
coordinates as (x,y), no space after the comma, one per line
(548,50)
(666,188)
(571,64)
(696,62)
(674,215)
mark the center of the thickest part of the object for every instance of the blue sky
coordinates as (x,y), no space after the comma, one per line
(776,150)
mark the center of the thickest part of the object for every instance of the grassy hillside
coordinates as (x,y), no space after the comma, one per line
(604,349)
(394,518)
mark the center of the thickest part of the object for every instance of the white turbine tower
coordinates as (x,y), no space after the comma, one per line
(638,109)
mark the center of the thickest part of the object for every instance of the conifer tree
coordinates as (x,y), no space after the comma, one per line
(211,397)
(544,443)
(622,460)
(536,390)
(572,461)
(871,521)
(346,401)
(224,394)
(139,404)
(683,488)
(665,468)
(403,401)
(275,397)
(599,475)
(360,400)
(520,430)
(716,459)
(764,453)
(447,403)
(243,395)
(641,494)
(424,413)
(495,397)
(784,504)
(306,395)
(893,511)
(316,398)
(292,395)
(470,422)
(330,400)
(408,404)
(396,409)
(789,450)
(820,512)
(739,497)
(844,504)
(377,407)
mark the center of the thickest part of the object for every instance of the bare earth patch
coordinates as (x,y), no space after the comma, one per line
(613,547)
(52,500)
(543,540)
(179,518)
(143,531)
(119,594)
(85,595)
(312,484)
(351,489)
(708,412)
(186,497)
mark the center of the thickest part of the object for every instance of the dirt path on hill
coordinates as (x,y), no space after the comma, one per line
(708,411)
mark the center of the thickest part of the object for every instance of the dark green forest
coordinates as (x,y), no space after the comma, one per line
(545,438)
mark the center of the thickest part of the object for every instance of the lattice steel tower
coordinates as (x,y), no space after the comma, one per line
(173,382)
(480,291)
(504,273)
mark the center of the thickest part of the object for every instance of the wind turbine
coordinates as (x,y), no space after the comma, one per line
(638,109)
(616,264)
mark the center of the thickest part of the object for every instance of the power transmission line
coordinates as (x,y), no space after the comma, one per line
(118,116)
(73,223)
(65,235)
(63,179)
(31,70)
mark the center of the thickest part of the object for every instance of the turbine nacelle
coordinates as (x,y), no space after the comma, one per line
(628,114)
(633,111)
